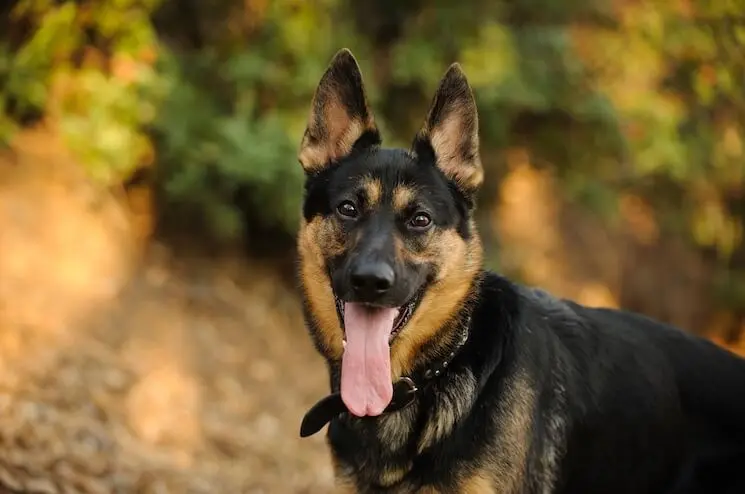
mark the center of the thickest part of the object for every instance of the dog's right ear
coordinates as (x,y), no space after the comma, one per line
(339,116)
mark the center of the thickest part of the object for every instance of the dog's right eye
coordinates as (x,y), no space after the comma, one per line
(347,209)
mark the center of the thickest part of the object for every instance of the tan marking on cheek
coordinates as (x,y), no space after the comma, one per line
(403,253)
(460,262)
(451,250)
(428,255)
(316,283)
(373,190)
(330,238)
(403,195)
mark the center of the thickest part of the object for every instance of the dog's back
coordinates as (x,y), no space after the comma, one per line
(651,382)
(709,378)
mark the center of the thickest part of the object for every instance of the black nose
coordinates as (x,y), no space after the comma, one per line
(370,280)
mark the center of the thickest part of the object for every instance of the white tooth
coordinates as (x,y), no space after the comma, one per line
(344,343)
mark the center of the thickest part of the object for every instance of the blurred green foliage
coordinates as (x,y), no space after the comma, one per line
(633,97)
(81,65)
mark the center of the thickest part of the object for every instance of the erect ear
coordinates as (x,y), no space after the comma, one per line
(339,116)
(450,134)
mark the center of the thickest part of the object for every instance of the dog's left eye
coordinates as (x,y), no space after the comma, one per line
(420,221)
(347,209)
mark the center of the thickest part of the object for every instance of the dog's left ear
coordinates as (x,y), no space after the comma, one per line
(450,134)
(340,117)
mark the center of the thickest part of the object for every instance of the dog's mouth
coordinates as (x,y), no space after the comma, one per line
(368,332)
(402,317)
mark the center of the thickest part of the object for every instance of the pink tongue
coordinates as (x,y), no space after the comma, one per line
(366,387)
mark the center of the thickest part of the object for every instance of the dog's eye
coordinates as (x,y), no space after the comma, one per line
(420,221)
(347,209)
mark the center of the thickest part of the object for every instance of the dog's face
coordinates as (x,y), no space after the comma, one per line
(388,250)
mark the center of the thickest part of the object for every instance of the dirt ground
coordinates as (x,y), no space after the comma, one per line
(123,369)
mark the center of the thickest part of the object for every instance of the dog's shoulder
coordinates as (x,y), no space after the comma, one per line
(619,382)
(647,359)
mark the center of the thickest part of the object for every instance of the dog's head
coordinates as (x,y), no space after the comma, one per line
(388,250)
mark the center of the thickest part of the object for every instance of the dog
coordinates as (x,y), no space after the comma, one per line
(448,378)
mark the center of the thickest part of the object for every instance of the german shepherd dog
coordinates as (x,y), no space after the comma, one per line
(447,378)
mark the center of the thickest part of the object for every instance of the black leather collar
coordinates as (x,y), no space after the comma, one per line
(404,392)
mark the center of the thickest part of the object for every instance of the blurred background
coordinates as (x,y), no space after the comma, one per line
(150,333)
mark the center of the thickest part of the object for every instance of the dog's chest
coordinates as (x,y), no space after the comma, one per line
(386,465)
(397,452)
(476,484)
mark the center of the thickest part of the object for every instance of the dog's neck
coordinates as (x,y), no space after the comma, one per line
(388,444)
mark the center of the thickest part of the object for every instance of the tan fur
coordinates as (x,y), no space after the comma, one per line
(332,130)
(448,136)
(429,490)
(553,449)
(394,429)
(508,457)
(373,191)
(452,406)
(453,131)
(474,485)
(391,476)
(345,488)
(506,470)
(459,263)
(439,245)
(319,240)
(478,484)
(402,197)
(316,241)
(342,478)
(510,454)
(339,136)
